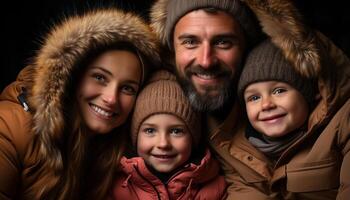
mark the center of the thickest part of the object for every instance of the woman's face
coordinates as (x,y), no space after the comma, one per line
(107,91)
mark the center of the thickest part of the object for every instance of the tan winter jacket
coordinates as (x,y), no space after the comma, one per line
(316,166)
(45,84)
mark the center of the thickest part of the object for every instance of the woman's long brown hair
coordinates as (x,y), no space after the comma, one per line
(73,164)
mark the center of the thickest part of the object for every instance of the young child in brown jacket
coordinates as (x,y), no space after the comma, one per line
(293,147)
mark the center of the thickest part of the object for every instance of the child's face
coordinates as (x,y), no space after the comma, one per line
(275,108)
(107,91)
(164,142)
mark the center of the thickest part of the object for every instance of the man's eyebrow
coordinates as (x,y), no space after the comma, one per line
(186,36)
(226,35)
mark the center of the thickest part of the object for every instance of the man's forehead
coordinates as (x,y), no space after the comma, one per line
(200,22)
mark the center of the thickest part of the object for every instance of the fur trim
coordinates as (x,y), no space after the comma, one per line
(158,19)
(280,20)
(69,42)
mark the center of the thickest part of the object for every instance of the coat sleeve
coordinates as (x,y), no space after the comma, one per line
(344,143)
(15,136)
(9,160)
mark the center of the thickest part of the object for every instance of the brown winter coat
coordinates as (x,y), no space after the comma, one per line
(45,82)
(315,167)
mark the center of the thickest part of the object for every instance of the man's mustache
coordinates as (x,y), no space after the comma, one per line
(217,70)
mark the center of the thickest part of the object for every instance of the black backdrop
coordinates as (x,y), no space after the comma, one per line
(24,23)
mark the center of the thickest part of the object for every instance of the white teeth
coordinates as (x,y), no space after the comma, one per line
(100,111)
(205,76)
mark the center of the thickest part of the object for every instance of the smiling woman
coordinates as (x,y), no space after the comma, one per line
(107,91)
(78,93)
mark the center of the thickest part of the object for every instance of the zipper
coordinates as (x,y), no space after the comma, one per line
(22,99)
(154,187)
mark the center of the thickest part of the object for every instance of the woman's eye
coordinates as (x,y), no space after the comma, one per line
(99,77)
(129,90)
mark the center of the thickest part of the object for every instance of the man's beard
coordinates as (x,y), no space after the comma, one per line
(206,102)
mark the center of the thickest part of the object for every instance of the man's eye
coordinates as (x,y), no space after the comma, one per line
(224,44)
(189,43)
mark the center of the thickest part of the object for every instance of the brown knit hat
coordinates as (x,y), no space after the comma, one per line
(178,8)
(163,95)
(267,63)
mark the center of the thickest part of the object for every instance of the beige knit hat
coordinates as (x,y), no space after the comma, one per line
(163,95)
(178,8)
(267,63)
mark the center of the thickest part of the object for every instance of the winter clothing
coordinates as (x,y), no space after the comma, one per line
(194,181)
(163,94)
(272,147)
(315,166)
(46,81)
(179,8)
(267,63)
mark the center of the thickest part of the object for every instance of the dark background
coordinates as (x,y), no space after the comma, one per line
(25,23)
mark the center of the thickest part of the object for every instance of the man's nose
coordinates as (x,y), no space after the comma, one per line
(206,57)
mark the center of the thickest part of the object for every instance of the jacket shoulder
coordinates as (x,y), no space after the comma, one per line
(15,137)
(341,124)
(15,126)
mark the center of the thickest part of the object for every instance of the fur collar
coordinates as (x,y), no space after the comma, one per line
(279,20)
(65,45)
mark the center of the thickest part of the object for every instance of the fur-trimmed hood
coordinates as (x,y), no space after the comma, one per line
(312,54)
(70,42)
(279,20)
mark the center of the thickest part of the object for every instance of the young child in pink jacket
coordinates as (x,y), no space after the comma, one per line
(170,163)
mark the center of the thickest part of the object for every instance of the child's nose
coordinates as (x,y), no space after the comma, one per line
(163,142)
(267,103)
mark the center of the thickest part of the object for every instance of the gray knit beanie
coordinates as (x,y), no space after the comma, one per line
(163,95)
(267,63)
(178,8)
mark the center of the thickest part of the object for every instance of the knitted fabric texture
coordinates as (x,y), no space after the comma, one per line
(178,8)
(267,63)
(163,95)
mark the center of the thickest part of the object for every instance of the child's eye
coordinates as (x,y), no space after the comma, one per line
(177,131)
(252,98)
(149,131)
(279,90)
